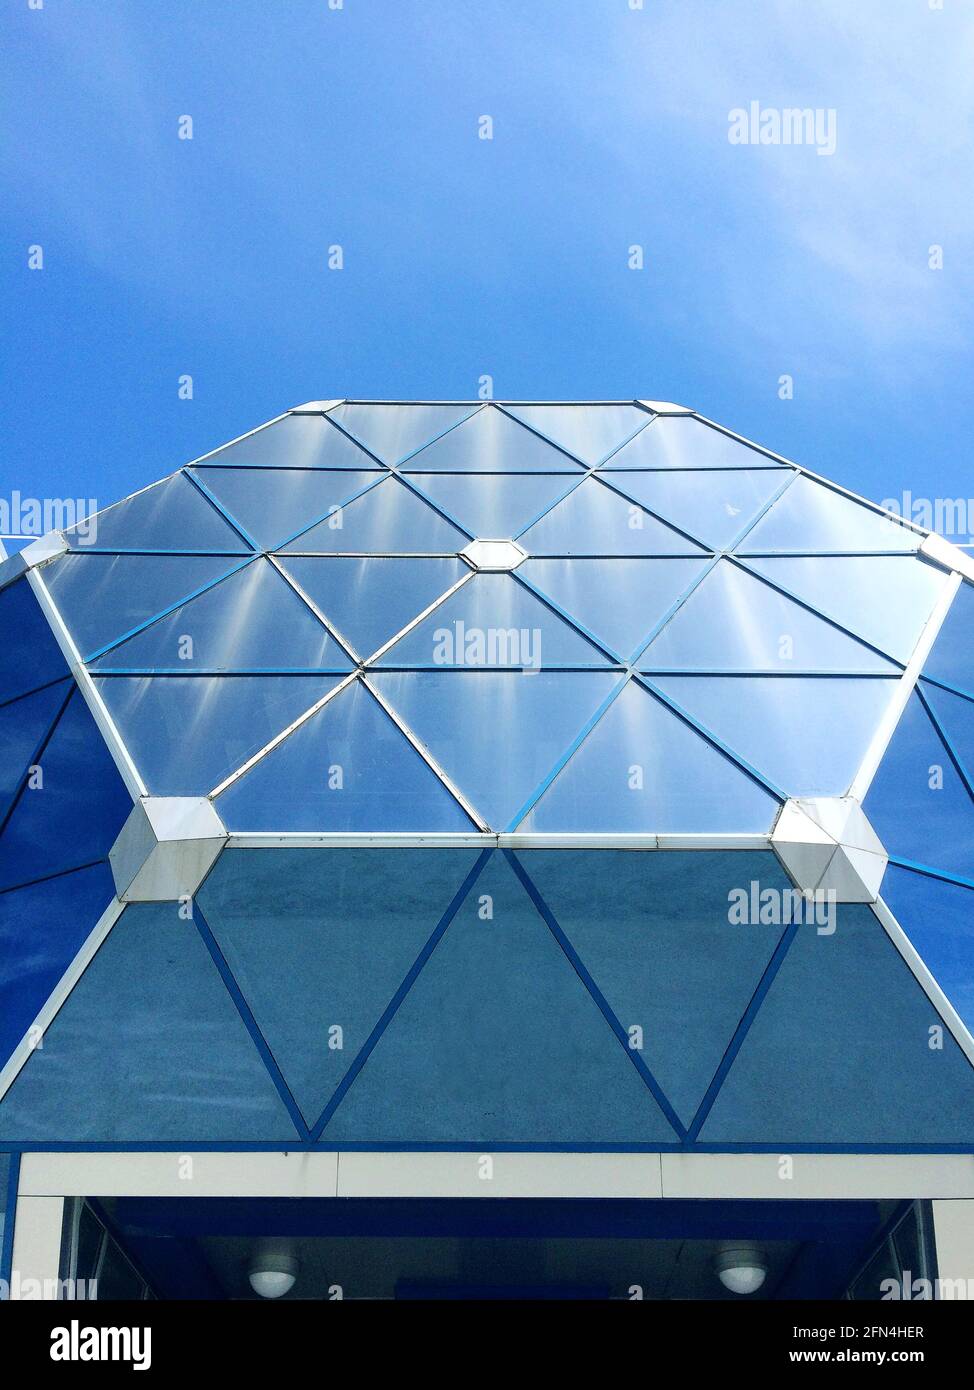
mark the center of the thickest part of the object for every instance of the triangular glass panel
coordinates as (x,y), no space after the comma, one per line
(808,735)
(839,1053)
(885,599)
(252,621)
(588,432)
(618,601)
(187,733)
(955,714)
(389,519)
(595,520)
(493,506)
(498,1041)
(394,432)
(952,658)
(320,968)
(42,928)
(918,804)
(49,831)
(734,622)
(103,597)
(347,768)
(496,734)
(29,655)
(938,918)
(297,441)
(682,442)
(809,517)
(24,724)
(171,515)
(642,770)
(148,1046)
(13,545)
(712,507)
(493,621)
(272,504)
(669,965)
(371,598)
(491,442)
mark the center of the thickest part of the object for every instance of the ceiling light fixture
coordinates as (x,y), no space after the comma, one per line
(741,1267)
(273,1269)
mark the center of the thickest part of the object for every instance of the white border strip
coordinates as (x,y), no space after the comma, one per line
(489,839)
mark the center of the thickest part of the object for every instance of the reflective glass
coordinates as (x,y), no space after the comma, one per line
(643,770)
(678,441)
(806,734)
(387,519)
(494,506)
(171,515)
(271,504)
(734,622)
(393,432)
(712,507)
(809,517)
(369,599)
(347,768)
(595,520)
(589,432)
(186,733)
(51,829)
(955,715)
(102,597)
(938,918)
(148,1046)
(29,655)
(618,601)
(315,940)
(251,621)
(496,734)
(297,441)
(498,1040)
(42,928)
(24,724)
(494,621)
(886,599)
(952,658)
(837,1053)
(918,804)
(491,442)
(13,545)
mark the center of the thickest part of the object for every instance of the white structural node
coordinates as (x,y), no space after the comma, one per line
(494,556)
(827,844)
(166,848)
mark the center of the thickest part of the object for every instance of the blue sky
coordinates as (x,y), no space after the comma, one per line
(462,257)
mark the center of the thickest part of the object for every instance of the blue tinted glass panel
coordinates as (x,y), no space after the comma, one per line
(590,432)
(271,504)
(251,621)
(806,734)
(918,803)
(642,770)
(187,733)
(172,515)
(24,725)
(498,1041)
(712,507)
(148,1046)
(496,734)
(387,519)
(618,601)
(321,939)
(810,517)
(13,545)
(297,441)
(952,658)
(955,714)
(494,621)
(393,432)
(734,622)
(595,520)
(347,768)
(938,918)
(369,599)
(838,1052)
(886,599)
(674,441)
(42,928)
(491,442)
(493,506)
(102,597)
(29,655)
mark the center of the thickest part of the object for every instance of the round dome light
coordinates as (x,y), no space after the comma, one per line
(273,1270)
(741,1267)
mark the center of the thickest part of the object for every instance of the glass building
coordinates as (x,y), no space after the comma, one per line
(415,804)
